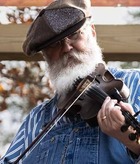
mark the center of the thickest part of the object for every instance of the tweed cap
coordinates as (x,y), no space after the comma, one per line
(58,20)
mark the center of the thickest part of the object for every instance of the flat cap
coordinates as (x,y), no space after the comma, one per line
(58,20)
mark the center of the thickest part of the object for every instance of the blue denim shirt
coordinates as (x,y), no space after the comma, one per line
(71,141)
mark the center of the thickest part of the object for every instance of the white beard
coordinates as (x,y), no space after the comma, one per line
(74,64)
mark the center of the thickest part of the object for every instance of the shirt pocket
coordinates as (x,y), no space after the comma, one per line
(52,150)
(83,150)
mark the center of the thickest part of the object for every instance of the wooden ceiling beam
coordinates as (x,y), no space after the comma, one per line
(118,42)
(26,3)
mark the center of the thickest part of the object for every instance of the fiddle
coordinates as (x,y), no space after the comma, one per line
(104,85)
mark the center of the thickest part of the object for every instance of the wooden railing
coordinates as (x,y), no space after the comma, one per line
(119,42)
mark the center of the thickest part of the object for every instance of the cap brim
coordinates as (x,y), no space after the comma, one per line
(62,35)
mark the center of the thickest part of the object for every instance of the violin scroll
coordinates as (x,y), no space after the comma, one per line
(131,120)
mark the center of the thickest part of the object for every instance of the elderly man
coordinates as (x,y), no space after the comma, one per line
(65,35)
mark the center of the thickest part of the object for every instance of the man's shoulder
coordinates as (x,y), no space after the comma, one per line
(42,106)
(38,110)
(36,117)
(125,73)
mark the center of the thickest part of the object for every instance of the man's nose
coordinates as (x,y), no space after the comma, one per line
(67,45)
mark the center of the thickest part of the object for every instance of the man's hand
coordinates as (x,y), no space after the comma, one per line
(110,120)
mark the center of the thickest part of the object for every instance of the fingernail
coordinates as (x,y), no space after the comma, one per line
(107,98)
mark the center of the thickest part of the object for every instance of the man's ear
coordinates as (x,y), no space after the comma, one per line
(93,30)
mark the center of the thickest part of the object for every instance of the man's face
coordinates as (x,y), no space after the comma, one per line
(71,59)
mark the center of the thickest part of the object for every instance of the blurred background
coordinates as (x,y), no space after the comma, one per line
(24,82)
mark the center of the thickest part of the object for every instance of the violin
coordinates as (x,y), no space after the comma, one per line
(86,99)
(104,84)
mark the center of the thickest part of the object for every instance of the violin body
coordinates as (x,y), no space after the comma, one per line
(103,84)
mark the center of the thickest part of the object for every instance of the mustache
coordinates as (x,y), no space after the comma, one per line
(75,55)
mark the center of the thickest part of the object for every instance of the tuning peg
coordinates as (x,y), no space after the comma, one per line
(124,127)
(133,136)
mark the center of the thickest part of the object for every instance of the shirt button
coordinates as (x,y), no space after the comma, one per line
(76,130)
(70,142)
(52,139)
